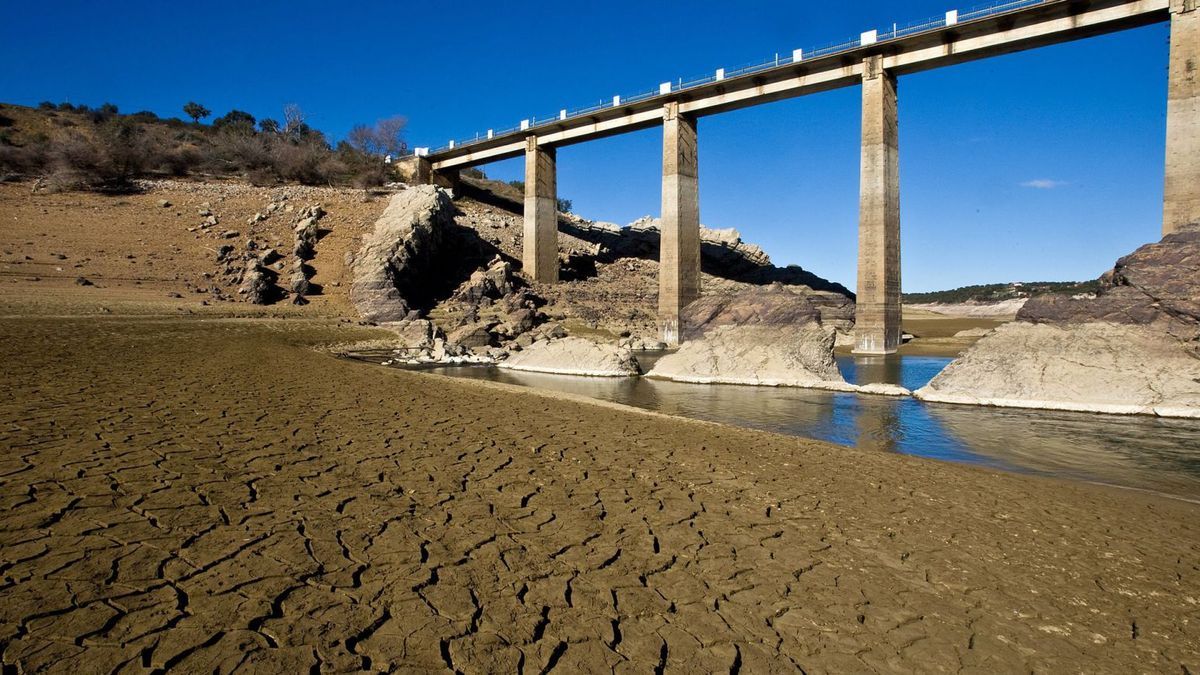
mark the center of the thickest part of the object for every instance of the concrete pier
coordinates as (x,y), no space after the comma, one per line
(540,253)
(1181,187)
(877,321)
(679,253)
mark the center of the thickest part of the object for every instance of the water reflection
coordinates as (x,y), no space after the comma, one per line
(1140,452)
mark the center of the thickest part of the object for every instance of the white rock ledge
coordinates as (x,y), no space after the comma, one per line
(574,356)
(1069,406)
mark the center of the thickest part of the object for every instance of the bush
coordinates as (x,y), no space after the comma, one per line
(46,105)
(237,121)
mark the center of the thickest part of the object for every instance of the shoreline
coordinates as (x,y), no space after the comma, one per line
(553,394)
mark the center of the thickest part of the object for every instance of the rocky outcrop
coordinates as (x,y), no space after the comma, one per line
(774,305)
(398,255)
(774,336)
(723,253)
(1134,348)
(796,355)
(574,356)
(1157,285)
(1090,367)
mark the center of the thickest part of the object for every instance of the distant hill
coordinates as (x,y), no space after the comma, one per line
(1001,292)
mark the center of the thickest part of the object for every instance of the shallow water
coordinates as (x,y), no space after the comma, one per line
(1161,455)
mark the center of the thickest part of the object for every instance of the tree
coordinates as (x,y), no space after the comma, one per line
(564,205)
(268,126)
(235,120)
(293,121)
(196,111)
(386,137)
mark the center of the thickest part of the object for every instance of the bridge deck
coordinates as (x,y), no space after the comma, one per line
(1050,22)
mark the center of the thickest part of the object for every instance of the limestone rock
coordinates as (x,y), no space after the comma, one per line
(1093,367)
(395,258)
(798,355)
(1132,348)
(574,356)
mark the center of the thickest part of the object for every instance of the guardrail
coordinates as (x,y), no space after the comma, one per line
(896,32)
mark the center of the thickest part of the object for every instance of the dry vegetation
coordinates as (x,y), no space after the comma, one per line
(77,147)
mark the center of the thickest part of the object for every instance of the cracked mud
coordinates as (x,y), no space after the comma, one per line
(214,496)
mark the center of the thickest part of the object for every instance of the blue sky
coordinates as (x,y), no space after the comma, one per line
(1044,165)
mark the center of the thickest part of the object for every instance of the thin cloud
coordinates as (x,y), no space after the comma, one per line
(1043,184)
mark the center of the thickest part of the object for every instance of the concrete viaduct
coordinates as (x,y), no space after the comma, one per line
(875,61)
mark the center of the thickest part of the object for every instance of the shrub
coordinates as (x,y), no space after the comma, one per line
(237,121)
(46,105)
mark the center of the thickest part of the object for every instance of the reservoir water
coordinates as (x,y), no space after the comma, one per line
(1140,452)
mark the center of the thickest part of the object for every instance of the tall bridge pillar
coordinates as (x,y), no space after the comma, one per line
(1181,187)
(878,314)
(679,250)
(539,254)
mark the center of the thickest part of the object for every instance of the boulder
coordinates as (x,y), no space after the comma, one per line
(473,336)
(396,257)
(574,356)
(258,284)
(495,282)
(300,283)
(797,355)
(520,321)
(1092,367)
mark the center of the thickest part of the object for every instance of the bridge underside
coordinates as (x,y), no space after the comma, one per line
(876,69)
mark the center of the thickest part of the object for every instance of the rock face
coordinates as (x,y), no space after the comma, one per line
(1156,285)
(574,356)
(774,336)
(1134,348)
(773,305)
(1093,367)
(396,257)
(798,355)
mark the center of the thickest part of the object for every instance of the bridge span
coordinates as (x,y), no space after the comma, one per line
(874,61)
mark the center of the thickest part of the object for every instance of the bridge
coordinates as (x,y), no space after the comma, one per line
(874,61)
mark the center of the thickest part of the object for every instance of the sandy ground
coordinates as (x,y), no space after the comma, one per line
(207,494)
(134,250)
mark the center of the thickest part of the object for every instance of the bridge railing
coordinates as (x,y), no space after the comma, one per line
(896,31)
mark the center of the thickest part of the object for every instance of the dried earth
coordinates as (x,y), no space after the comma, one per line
(213,495)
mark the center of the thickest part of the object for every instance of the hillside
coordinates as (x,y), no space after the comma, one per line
(989,293)
(160,247)
(70,147)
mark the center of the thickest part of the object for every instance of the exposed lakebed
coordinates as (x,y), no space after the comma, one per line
(1141,452)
